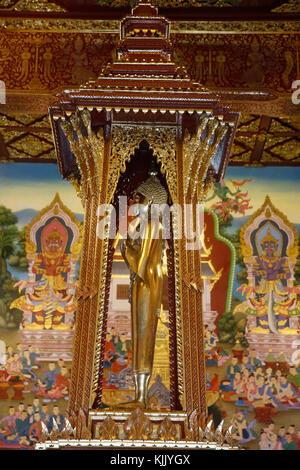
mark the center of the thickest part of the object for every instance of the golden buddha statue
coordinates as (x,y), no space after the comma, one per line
(143,254)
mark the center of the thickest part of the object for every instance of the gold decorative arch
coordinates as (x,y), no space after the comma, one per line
(125,139)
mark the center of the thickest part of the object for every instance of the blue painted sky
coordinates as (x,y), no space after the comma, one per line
(33,186)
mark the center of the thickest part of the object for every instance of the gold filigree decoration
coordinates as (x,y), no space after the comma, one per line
(198,151)
(178,307)
(82,431)
(108,429)
(167,430)
(292,6)
(112,26)
(88,147)
(99,27)
(100,321)
(125,139)
(194,425)
(36,5)
(138,426)
(243,27)
(141,426)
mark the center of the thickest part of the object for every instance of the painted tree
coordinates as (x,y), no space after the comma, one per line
(8,238)
(8,235)
(18,258)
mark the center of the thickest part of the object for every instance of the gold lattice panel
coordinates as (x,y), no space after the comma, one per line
(276,144)
(26,137)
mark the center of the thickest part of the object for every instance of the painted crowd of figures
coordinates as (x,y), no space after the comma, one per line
(22,428)
(23,368)
(35,388)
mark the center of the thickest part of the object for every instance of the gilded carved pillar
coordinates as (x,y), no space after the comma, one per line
(89,149)
(194,154)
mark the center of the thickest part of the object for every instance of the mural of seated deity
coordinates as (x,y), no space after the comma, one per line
(53,242)
(269,244)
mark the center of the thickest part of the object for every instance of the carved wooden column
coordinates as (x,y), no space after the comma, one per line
(194,154)
(91,150)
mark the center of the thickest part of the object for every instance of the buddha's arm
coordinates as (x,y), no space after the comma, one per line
(130,254)
(150,249)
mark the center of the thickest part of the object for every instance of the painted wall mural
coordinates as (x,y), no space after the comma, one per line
(251,279)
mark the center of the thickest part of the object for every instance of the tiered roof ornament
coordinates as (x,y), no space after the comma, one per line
(143,84)
(144,75)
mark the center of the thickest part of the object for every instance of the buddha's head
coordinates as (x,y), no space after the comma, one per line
(148,193)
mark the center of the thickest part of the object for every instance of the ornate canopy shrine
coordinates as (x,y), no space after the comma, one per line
(142,112)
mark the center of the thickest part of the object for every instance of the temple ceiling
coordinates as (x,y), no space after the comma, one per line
(46,47)
(259,140)
(80,5)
